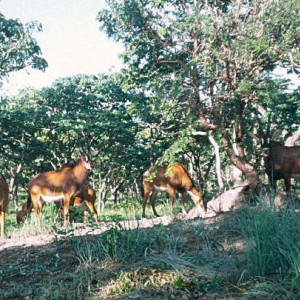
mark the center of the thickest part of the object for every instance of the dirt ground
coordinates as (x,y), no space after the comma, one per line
(26,261)
(35,263)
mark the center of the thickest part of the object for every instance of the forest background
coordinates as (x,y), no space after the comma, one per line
(198,83)
(198,80)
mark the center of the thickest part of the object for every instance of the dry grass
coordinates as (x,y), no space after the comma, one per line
(213,258)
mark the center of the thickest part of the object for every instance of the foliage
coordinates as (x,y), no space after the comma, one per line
(18,47)
(190,66)
(213,57)
(45,129)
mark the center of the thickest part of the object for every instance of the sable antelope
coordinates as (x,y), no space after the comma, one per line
(171,179)
(86,196)
(58,185)
(3,202)
(282,162)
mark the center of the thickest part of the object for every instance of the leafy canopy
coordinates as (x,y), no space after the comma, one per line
(18,47)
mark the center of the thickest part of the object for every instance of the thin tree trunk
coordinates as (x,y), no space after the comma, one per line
(101,192)
(217,156)
(138,189)
(218,161)
(114,191)
(251,177)
(237,174)
(11,186)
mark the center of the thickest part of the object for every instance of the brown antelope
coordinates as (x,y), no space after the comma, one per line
(282,162)
(3,202)
(173,178)
(86,196)
(58,185)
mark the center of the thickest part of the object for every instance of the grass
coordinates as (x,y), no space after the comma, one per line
(272,237)
(184,259)
(155,258)
(130,210)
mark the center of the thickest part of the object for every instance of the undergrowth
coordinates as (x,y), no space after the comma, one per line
(184,259)
(272,240)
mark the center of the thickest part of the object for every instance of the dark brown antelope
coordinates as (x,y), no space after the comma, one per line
(282,162)
(3,203)
(58,185)
(171,179)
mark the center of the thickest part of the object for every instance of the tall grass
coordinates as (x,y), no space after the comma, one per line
(184,255)
(272,240)
(50,219)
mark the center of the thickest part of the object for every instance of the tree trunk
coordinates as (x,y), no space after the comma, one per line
(218,161)
(11,186)
(237,174)
(251,178)
(114,191)
(138,189)
(101,195)
(216,157)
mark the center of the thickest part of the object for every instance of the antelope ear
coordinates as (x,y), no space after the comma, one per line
(277,133)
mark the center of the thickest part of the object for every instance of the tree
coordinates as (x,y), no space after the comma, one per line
(215,55)
(19,122)
(18,47)
(42,130)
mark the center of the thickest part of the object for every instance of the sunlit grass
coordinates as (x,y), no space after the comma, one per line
(160,249)
(120,211)
(132,208)
(49,219)
(272,240)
